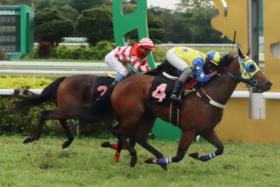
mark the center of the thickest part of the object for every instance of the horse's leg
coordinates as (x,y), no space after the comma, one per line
(39,130)
(67,132)
(47,115)
(117,147)
(155,152)
(214,140)
(144,127)
(185,142)
(123,141)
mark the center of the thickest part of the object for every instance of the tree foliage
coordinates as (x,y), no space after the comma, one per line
(15,2)
(86,4)
(51,26)
(96,24)
(189,23)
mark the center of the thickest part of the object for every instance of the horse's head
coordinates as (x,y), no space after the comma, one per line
(243,68)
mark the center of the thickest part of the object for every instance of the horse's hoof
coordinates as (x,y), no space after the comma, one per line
(164,167)
(106,145)
(28,139)
(115,161)
(151,161)
(16,91)
(133,162)
(66,144)
(194,155)
(204,158)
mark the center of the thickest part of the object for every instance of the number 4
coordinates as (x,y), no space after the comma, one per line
(159,92)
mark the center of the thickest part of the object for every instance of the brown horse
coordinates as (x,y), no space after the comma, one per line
(69,94)
(199,113)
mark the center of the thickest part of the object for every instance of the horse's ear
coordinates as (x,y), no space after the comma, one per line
(240,54)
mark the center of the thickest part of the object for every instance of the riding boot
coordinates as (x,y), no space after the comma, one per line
(118,79)
(175,94)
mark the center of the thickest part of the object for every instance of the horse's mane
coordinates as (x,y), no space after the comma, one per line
(225,62)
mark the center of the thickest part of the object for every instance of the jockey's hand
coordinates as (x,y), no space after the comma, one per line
(212,74)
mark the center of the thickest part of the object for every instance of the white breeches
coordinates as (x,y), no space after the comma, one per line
(115,64)
(176,61)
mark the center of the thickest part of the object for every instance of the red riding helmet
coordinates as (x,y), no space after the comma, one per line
(147,43)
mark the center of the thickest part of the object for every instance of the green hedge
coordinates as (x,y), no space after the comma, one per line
(23,82)
(12,121)
(96,52)
(24,122)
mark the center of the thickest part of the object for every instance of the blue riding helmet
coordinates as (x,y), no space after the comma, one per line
(214,57)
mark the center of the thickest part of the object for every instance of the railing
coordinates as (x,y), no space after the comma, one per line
(71,68)
(53,68)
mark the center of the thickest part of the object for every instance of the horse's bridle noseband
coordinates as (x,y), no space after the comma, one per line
(239,78)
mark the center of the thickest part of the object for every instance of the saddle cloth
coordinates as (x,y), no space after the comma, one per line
(162,87)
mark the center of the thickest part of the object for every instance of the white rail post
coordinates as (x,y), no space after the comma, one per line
(257,101)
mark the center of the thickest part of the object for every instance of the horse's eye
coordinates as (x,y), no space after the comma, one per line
(251,67)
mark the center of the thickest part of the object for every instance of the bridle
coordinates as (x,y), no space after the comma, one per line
(201,93)
(251,81)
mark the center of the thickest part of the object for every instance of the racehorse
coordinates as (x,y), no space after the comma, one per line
(199,113)
(68,93)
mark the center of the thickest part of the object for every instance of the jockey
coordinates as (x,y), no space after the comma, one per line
(133,58)
(191,62)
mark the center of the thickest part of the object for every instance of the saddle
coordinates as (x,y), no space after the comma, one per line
(160,92)
(162,87)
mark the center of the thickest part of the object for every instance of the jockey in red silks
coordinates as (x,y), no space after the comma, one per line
(128,59)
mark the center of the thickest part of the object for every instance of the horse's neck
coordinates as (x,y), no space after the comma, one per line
(221,88)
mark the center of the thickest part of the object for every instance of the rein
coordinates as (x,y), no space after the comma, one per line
(239,78)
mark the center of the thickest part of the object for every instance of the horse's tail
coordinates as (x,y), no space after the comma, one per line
(48,94)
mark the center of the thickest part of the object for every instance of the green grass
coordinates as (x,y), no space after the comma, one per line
(85,163)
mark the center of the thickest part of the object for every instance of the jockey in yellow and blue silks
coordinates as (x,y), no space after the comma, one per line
(191,62)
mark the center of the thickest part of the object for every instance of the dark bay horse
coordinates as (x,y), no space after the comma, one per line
(199,113)
(69,94)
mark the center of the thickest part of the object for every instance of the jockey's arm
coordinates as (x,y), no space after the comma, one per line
(141,65)
(200,75)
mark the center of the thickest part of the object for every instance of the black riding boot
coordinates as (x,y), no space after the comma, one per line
(175,94)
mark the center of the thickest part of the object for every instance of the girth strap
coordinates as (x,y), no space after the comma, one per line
(174,113)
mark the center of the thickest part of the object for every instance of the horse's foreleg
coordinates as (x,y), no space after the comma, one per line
(214,140)
(39,129)
(67,132)
(185,142)
(155,152)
